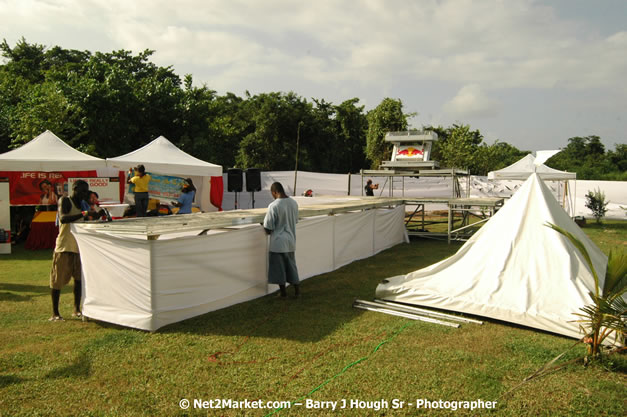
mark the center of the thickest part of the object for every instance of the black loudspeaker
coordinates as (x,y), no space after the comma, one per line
(253,180)
(234,180)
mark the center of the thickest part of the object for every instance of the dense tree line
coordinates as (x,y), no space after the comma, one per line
(108,104)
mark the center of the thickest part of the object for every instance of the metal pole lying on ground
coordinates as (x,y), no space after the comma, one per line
(429,313)
(366,305)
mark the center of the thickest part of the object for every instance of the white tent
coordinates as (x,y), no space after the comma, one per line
(514,268)
(162,157)
(523,168)
(48,153)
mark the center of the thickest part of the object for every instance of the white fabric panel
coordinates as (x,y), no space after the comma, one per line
(353,237)
(514,268)
(195,275)
(389,228)
(314,246)
(148,284)
(116,278)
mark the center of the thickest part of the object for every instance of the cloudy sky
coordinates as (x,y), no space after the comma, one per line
(531,73)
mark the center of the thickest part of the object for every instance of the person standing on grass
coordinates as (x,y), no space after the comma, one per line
(66,261)
(141,181)
(280,224)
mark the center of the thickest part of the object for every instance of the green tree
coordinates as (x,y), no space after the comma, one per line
(460,150)
(587,157)
(388,116)
(271,145)
(351,127)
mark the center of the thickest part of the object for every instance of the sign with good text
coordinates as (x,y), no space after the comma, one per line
(108,189)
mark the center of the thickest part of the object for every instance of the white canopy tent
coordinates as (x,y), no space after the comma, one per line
(514,268)
(523,168)
(48,153)
(162,157)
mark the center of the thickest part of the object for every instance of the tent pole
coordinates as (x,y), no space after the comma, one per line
(426,312)
(362,305)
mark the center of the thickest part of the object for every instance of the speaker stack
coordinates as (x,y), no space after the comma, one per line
(253,182)
(234,182)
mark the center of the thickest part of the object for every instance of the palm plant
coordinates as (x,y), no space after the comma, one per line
(608,313)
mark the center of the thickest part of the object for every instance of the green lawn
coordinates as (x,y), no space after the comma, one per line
(316,348)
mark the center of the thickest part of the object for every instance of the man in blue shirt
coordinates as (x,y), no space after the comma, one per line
(280,224)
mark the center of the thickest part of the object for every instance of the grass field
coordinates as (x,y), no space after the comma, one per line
(316,347)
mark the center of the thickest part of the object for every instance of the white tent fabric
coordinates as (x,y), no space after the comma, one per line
(543,156)
(162,157)
(147,284)
(523,168)
(514,268)
(47,152)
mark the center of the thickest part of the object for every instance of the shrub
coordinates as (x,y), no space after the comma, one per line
(595,201)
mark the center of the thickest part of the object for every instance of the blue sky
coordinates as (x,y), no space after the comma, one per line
(531,73)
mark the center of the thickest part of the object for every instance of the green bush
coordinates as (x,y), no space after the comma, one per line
(595,201)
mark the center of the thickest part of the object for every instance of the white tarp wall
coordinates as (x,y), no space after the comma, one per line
(480,186)
(147,284)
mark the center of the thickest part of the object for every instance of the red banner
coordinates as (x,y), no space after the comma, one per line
(27,188)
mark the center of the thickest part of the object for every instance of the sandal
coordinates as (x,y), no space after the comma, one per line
(77,315)
(56,318)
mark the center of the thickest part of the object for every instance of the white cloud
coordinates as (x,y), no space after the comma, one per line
(339,49)
(471,101)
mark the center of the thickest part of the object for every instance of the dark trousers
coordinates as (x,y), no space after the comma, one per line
(141,204)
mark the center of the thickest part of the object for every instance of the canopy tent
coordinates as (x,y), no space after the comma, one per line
(514,268)
(48,153)
(47,159)
(163,157)
(523,168)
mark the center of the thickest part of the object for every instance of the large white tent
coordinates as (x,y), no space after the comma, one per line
(47,152)
(514,268)
(162,157)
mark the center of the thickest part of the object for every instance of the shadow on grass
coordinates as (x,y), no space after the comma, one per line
(6,380)
(325,303)
(19,253)
(9,296)
(79,368)
(6,290)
